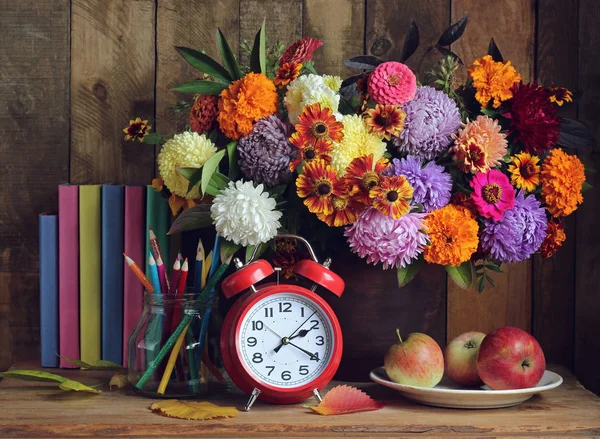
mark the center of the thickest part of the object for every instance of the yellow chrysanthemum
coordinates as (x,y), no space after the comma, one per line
(525,171)
(563,176)
(333,82)
(452,234)
(492,80)
(185,150)
(357,142)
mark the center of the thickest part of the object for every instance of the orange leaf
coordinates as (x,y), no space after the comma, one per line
(346,399)
(176,203)
(200,410)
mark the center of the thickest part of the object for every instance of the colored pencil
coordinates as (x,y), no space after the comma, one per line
(139,274)
(180,293)
(158,256)
(154,274)
(198,268)
(162,274)
(175,275)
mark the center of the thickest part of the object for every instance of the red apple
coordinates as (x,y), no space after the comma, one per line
(418,361)
(460,358)
(510,358)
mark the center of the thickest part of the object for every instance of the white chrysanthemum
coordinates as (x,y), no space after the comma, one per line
(307,90)
(333,82)
(245,214)
(357,142)
(185,150)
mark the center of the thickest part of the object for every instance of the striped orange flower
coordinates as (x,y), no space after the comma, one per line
(385,120)
(310,151)
(345,212)
(525,171)
(287,73)
(392,195)
(318,185)
(316,123)
(362,175)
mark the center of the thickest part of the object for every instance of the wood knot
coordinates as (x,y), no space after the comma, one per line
(100,91)
(380,46)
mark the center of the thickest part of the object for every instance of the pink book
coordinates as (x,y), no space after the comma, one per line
(68,273)
(135,244)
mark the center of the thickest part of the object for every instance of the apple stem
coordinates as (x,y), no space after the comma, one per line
(399,336)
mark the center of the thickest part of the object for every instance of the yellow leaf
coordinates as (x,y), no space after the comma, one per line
(118,380)
(192,410)
(77,386)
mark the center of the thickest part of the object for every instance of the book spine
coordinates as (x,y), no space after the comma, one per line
(68,273)
(158,215)
(90,272)
(133,291)
(113,199)
(49,290)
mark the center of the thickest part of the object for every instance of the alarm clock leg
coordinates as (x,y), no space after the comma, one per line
(252,399)
(317,395)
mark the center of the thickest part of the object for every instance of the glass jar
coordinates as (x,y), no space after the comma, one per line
(166,357)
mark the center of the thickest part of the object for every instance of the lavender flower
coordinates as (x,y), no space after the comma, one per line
(431,118)
(379,238)
(430,183)
(519,233)
(265,153)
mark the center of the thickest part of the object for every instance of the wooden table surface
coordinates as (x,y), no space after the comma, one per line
(30,409)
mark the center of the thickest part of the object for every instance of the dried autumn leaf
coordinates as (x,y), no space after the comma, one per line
(37,375)
(77,387)
(192,410)
(118,380)
(346,399)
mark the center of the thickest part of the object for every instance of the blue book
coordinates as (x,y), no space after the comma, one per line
(49,289)
(113,220)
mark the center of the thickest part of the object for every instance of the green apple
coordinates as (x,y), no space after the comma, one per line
(460,359)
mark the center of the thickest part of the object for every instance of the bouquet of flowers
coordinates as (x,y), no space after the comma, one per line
(468,174)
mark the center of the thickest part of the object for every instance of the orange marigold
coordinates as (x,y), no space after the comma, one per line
(245,101)
(492,80)
(555,236)
(452,234)
(563,176)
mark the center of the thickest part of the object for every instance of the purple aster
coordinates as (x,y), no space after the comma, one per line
(379,238)
(518,234)
(266,152)
(431,184)
(431,118)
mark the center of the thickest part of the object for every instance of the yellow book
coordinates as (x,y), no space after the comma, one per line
(90,272)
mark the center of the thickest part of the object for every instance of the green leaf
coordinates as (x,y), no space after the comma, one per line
(33,375)
(217,183)
(493,268)
(209,168)
(153,139)
(196,217)
(201,87)
(310,67)
(194,179)
(490,280)
(228,57)
(406,274)
(461,275)
(258,57)
(490,112)
(213,136)
(205,64)
(96,365)
(262,247)
(278,190)
(77,387)
(586,187)
(228,249)
(232,154)
(481,285)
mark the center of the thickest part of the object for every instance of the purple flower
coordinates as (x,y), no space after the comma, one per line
(431,184)
(379,238)
(265,153)
(518,234)
(431,118)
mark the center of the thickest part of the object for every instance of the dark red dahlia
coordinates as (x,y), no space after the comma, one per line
(301,51)
(533,118)
(204,113)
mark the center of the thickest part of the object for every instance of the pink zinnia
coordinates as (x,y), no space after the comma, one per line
(492,194)
(301,51)
(392,83)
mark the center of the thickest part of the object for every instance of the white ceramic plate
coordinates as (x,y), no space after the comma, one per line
(450,395)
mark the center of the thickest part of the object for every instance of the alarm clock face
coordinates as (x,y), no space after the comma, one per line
(285,340)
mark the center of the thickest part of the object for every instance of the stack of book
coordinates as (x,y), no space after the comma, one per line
(89,299)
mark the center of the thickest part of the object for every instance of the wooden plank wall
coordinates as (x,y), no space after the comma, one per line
(74,71)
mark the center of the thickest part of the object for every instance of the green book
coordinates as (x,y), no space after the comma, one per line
(90,272)
(158,216)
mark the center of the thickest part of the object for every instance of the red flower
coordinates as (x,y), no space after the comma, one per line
(316,124)
(318,185)
(533,118)
(204,113)
(301,51)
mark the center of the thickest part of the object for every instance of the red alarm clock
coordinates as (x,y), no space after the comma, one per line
(281,343)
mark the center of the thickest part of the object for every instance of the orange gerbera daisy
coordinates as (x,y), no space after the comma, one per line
(344,212)
(392,195)
(563,176)
(362,175)
(316,123)
(287,73)
(308,152)
(492,80)
(555,236)
(137,129)
(385,120)
(318,184)
(559,95)
(525,171)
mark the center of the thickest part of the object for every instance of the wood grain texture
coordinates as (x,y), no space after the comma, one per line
(39,410)
(112,81)
(34,152)
(554,279)
(340,25)
(587,323)
(511,23)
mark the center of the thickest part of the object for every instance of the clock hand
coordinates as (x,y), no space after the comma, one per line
(301,333)
(286,340)
(268,327)
(310,354)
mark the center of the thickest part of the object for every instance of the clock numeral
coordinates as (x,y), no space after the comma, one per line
(251,341)
(257,358)
(285,307)
(269,312)
(257,325)
(302,312)
(315,357)
(286,375)
(320,340)
(270,371)
(315,324)
(303,370)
